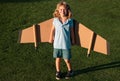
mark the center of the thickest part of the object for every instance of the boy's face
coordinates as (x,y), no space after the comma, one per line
(62,11)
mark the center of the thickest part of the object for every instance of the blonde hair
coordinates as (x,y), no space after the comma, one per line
(62,3)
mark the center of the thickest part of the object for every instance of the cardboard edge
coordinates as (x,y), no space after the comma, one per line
(34,34)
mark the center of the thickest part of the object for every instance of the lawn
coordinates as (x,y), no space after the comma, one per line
(21,62)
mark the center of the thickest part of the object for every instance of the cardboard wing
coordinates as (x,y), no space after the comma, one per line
(84,37)
(36,33)
(89,39)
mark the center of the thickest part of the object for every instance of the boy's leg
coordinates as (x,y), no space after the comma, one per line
(70,71)
(58,73)
(57,62)
(58,55)
(68,64)
(67,56)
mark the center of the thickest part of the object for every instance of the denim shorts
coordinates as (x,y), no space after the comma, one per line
(62,53)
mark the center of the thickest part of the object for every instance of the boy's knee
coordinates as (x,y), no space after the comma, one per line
(67,61)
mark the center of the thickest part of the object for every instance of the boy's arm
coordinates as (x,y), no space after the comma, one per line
(72,36)
(52,33)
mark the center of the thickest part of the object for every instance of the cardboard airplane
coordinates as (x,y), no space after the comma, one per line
(84,37)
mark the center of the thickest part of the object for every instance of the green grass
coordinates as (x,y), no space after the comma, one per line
(21,62)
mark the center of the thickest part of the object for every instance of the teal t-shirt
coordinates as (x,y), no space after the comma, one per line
(62,33)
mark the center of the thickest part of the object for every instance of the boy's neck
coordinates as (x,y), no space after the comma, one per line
(63,19)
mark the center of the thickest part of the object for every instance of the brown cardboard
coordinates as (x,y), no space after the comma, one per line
(35,35)
(89,39)
(84,37)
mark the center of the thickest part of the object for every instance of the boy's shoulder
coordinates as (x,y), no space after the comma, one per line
(70,20)
(55,18)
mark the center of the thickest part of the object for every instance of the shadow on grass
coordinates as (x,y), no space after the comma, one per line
(96,68)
